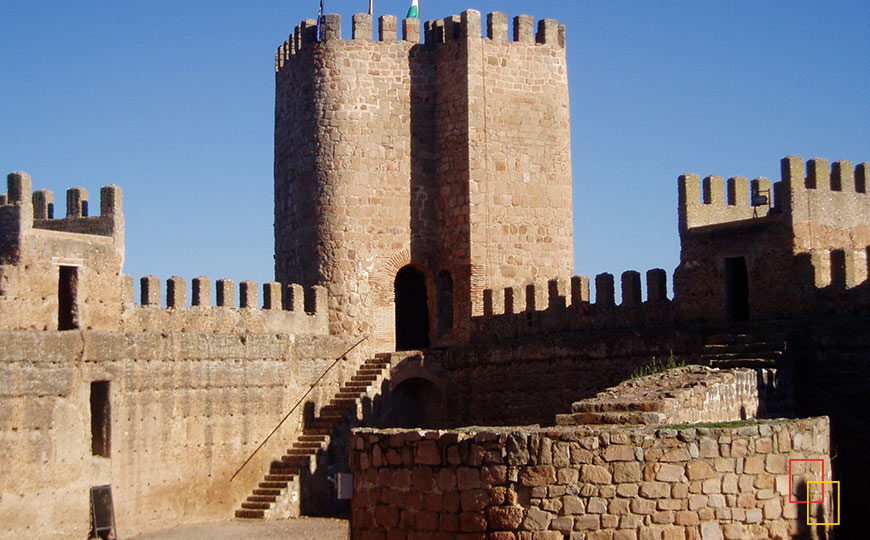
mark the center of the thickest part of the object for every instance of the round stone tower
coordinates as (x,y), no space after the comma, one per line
(410,176)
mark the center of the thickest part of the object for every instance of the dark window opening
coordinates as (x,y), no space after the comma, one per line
(445,303)
(412,310)
(67,298)
(101,419)
(737,289)
(417,403)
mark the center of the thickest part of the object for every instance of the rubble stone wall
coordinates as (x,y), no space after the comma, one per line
(614,482)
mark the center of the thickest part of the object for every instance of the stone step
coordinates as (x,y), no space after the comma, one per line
(306,444)
(250,514)
(312,437)
(256,505)
(772,355)
(281,468)
(364,378)
(634,418)
(291,460)
(273,485)
(263,498)
(732,339)
(615,406)
(764,346)
(743,363)
(369,370)
(280,477)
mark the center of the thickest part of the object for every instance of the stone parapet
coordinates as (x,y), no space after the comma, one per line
(685,395)
(288,308)
(560,305)
(732,481)
(468,25)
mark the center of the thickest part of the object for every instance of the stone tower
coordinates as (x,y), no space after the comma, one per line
(410,176)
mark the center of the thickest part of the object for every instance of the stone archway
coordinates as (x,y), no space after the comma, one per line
(412,309)
(417,403)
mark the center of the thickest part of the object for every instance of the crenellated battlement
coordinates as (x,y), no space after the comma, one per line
(284,308)
(813,191)
(715,200)
(434,31)
(36,210)
(561,305)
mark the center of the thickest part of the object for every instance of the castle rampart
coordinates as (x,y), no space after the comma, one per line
(743,262)
(467,135)
(60,273)
(185,410)
(559,306)
(285,308)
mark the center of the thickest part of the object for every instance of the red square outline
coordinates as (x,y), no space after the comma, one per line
(789,481)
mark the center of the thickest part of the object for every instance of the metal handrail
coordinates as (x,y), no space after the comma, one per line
(286,416)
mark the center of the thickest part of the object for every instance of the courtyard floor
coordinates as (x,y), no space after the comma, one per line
(286,529)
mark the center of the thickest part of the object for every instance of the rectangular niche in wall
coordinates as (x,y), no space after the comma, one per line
(101,419)
(67,298)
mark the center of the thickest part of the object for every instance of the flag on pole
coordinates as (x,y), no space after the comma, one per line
(371,12)
(414,11)
(319,17)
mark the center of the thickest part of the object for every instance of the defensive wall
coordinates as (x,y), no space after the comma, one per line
(165,418)
(466,135)
(593,482)
(67,274)
(812,232)
(161,394)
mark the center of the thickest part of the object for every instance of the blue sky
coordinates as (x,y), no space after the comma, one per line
(173,100)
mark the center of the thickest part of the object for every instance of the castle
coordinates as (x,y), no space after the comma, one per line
(423,253)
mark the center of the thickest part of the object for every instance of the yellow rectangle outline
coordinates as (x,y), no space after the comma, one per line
(838,500)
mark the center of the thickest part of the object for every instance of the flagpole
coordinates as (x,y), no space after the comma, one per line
(371,7)
(319,18)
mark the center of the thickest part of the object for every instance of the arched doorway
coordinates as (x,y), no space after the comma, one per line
(417,403)
(412,310)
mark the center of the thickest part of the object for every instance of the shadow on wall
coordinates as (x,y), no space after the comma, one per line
(814,532)
(413,403)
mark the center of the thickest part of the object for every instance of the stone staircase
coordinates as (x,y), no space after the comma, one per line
(726,351)
(280,485)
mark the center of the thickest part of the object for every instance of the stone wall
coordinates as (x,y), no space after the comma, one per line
(686,395)
(530,380)
(614,483)
(186,411)
(282,308)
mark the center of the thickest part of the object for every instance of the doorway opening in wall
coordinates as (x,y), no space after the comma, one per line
(412,310)
(737,289)
(445,303)
(417,403)
(101,419)
(67,298)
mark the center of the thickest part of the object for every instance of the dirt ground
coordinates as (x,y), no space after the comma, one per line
(288,529)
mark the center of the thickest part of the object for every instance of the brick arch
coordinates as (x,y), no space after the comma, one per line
(383,280)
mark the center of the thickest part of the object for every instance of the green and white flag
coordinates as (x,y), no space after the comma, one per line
(414,11)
